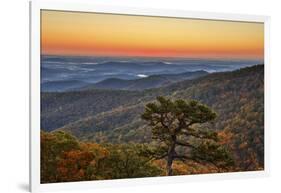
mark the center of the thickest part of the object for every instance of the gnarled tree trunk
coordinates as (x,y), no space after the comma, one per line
(170,158)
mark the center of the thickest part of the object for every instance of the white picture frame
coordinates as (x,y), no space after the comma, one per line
(36,6)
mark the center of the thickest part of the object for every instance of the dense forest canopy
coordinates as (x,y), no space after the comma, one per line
(85,132)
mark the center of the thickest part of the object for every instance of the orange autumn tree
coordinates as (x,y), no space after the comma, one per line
(65,159)
(53,145)
(73,166)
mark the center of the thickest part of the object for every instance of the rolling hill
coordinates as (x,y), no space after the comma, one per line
(152,81)
(149,82)
(62,85)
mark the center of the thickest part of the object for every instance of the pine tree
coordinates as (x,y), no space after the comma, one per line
(177,124)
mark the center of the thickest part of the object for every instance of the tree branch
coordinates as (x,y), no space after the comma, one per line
(157,157)
(193,134)
(185,144)
(200,135)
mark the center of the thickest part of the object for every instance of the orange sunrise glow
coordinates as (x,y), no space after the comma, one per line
(91,34)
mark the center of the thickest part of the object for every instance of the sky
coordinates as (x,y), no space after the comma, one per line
(96,34)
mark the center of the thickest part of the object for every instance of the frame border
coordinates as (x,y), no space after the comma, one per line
(34,97)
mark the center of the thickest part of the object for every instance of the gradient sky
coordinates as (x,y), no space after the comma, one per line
(77,33)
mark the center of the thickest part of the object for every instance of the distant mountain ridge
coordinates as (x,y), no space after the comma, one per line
(125,64)
(91,70)
(63,85)
(149,82)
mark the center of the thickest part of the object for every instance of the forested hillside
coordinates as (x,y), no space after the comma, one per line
(114,116)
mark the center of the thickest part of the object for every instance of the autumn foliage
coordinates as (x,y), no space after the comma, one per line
(66,159)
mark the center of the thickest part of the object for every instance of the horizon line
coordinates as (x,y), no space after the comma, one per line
(152,57)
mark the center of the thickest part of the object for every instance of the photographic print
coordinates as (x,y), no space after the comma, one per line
(132,96)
